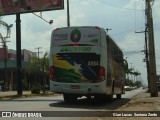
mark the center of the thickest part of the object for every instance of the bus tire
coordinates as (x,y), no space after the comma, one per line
(118,96)
(100,98)
(110,98)
(69,98)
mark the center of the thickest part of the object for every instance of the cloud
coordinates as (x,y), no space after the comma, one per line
(135,5)
(156,8)
(132,47)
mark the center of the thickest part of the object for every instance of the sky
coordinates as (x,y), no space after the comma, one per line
(123,17)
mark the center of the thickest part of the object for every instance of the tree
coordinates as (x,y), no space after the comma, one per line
(33,66)
(4,41)
(44,66)
(138,83)
(44,63)
(32,72)
(38,70)
(129,83)
(7,27)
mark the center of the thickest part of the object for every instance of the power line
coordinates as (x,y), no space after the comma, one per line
(117,6)
(130,30)
(157,50)
(133,52)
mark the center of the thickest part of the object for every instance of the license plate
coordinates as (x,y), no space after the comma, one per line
(75,87)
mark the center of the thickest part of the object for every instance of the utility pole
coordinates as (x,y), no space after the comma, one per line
(146,55)
(147,59)
(152,61)
(131,73)
(127,70)
(68,15)
(38,48)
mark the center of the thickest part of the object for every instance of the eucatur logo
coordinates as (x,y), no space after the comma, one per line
(75,35)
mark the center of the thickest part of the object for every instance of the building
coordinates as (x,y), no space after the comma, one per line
(8,66)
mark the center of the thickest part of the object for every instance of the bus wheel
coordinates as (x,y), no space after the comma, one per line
(69,98)
(100,98)
(118,96)
(110,98)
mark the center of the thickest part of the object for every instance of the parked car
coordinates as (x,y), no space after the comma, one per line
(127,88)
(3,88)
(145,87)
(46,87)
(134,87)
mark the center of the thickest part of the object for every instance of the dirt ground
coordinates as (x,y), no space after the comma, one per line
(140,106)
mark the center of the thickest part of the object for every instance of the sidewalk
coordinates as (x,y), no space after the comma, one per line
(143,102)
(10,94)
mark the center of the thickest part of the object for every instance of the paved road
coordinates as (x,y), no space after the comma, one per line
(56,103)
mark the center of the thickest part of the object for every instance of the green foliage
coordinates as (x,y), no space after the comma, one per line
(131,83)
(38,64)
(35,89)
(38,70)
(138,83)
(44,63)
(33,65)
(25,84)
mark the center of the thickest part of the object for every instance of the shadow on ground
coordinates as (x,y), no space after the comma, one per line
(91,104)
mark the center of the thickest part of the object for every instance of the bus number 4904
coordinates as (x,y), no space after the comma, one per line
(93,63)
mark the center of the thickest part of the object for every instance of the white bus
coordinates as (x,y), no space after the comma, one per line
(85,61)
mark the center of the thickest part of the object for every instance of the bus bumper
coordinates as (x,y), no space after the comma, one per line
(81,88)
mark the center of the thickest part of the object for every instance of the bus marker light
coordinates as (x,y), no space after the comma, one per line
(52,76)
(102,71)
(51,70)
(97,27)
(75,44)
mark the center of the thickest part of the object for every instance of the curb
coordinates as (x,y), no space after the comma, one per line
(9,97)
